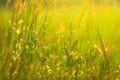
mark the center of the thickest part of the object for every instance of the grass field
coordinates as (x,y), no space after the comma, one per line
(60,40)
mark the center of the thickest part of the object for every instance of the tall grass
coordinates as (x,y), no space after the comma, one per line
(42,41)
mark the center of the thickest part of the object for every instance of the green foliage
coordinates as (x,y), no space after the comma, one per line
(43,42)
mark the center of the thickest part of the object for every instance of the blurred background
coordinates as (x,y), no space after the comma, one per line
(3,3)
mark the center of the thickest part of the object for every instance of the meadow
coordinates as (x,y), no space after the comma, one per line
(60,40)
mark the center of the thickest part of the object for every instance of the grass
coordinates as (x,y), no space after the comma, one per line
(42,41)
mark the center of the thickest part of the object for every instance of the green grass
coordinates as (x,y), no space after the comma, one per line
(59,43)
